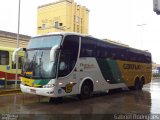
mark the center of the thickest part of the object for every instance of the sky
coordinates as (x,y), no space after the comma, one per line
(132,22)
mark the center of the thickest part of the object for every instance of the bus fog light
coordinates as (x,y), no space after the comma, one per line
(48,86)
(60,83)
(50,92)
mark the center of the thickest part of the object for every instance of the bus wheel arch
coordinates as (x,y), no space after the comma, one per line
(86,88)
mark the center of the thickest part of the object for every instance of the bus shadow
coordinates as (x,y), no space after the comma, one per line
(70,99)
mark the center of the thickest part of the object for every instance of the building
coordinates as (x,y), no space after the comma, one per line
(8,39)
(156,6)
(63,15)
(155,68)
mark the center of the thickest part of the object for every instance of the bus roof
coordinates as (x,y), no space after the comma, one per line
(7,48)
(59,33)
(123,45)
(119,44)
(104,40)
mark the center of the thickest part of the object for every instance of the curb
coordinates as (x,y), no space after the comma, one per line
(12,91)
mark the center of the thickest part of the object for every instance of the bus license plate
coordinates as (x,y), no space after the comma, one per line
(33,91)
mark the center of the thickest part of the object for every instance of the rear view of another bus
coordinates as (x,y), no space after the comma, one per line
(8,68)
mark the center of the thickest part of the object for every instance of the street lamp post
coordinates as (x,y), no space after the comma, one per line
(141,25)
(16,77)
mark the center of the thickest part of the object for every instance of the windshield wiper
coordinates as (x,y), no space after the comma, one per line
(32,64)
(40,64)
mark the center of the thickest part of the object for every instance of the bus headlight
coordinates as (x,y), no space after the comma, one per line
(48,86)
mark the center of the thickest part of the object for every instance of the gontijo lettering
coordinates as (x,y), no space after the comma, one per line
(131,66)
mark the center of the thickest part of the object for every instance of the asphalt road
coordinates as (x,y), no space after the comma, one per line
(115,105)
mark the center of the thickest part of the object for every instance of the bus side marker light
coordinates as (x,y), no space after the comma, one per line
(50,92)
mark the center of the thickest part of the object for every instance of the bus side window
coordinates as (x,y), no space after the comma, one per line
(4,58)
(88,47)
(64,61)
(69,55)
(62,66)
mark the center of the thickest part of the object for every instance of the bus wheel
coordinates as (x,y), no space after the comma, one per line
(138,85)
(141,83)
(86,90)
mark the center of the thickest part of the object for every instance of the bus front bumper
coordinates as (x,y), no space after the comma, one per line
(38,91)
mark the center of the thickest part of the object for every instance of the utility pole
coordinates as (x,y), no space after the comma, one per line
(16,77)
(141,32)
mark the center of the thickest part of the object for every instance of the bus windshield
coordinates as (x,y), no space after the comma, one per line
(37,62)
(44,42)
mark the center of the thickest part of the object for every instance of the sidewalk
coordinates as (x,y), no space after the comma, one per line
(4,91)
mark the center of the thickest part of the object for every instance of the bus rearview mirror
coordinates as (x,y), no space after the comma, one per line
(15,52)
(52,53)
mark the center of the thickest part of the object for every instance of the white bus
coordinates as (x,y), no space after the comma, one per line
(62,64)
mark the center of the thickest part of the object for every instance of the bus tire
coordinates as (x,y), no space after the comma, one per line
(138,84)
(86,90)
(142,82)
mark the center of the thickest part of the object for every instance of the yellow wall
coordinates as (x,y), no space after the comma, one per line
(74,18)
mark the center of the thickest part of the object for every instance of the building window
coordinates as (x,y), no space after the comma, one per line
(43,25)
(4,58)
(74,28)
(39,27)
(81,25)
(56,24)
(77,28)
(78,7)
(60,24)
(74,18)
(78,19)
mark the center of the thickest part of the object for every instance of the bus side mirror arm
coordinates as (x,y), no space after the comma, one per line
(15,53)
